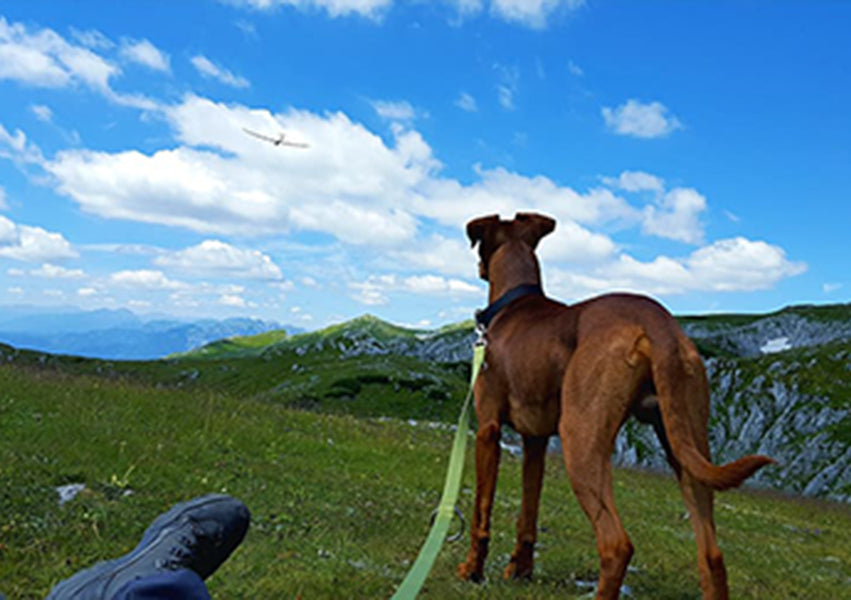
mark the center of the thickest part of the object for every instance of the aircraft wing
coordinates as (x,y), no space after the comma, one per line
(260,136)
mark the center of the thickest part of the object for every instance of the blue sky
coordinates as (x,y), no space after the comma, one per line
(697,152)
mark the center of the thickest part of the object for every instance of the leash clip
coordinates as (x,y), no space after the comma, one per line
(481,335)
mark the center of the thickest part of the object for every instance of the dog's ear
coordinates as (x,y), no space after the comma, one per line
(477,229)
(531,227)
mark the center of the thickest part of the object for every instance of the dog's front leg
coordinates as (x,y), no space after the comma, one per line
(523,557)
(487,467)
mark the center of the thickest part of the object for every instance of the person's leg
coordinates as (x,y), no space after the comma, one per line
(170,585)
(197,536)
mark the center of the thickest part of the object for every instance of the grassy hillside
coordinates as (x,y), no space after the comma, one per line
(340,504)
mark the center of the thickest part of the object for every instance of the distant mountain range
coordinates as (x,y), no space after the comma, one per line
(781,382)
(119,334)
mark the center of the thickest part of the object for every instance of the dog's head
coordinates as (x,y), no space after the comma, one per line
(491,233)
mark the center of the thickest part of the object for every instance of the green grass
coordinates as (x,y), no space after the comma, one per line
(340,503)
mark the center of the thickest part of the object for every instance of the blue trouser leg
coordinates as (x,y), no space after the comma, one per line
(170,585)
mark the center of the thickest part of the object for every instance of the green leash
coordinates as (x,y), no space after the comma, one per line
(415,578)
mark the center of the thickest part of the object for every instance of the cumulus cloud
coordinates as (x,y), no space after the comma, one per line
(32,244)
(232,300)
(641,120)
(573,243)
(501,191)
(437,253)
(144,53)
(348,183)
(362,189)
(214,257)
(145,279)
(49,271)
(375,289)
(43,58)
(394,111)
(636,181)
(531,13)
(728,265)
(210,70)
(676,216)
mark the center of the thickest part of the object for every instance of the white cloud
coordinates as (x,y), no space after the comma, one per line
(42,112)
(372,9)
(143,52)
(214,257)
(434,284)
(232,300)
(829,288)
(3,204)
(374,290)
(206,68)
(46,59)
(466,102)
(438,253)
(17,148)
(87,292)
(394,111)
(637,119)
(573,243)
(509,78)
(32,244)
(636,181)
(93,39)
(15,290)
(531,13)
(49,271)
(145,279)
(501,191)
(740,264)
(676,216)
(348,183)
(729,265)
(527,13)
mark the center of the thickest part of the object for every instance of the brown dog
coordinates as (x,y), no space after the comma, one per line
(580,371)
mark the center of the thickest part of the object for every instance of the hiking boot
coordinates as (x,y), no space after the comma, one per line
(198,535)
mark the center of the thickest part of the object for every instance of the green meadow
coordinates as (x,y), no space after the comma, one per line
(340,495)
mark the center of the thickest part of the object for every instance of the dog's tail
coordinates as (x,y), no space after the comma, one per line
(682,389)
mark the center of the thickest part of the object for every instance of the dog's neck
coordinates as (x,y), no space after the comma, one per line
(513,264)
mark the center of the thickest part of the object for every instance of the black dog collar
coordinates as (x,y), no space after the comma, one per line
(485,316)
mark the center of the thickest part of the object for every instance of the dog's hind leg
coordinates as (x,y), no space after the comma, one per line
(596,397)
(710,561)
(698,498)
(522,559)
(487,468)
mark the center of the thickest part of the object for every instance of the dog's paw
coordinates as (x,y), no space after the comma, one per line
(469,573)
(517,570)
